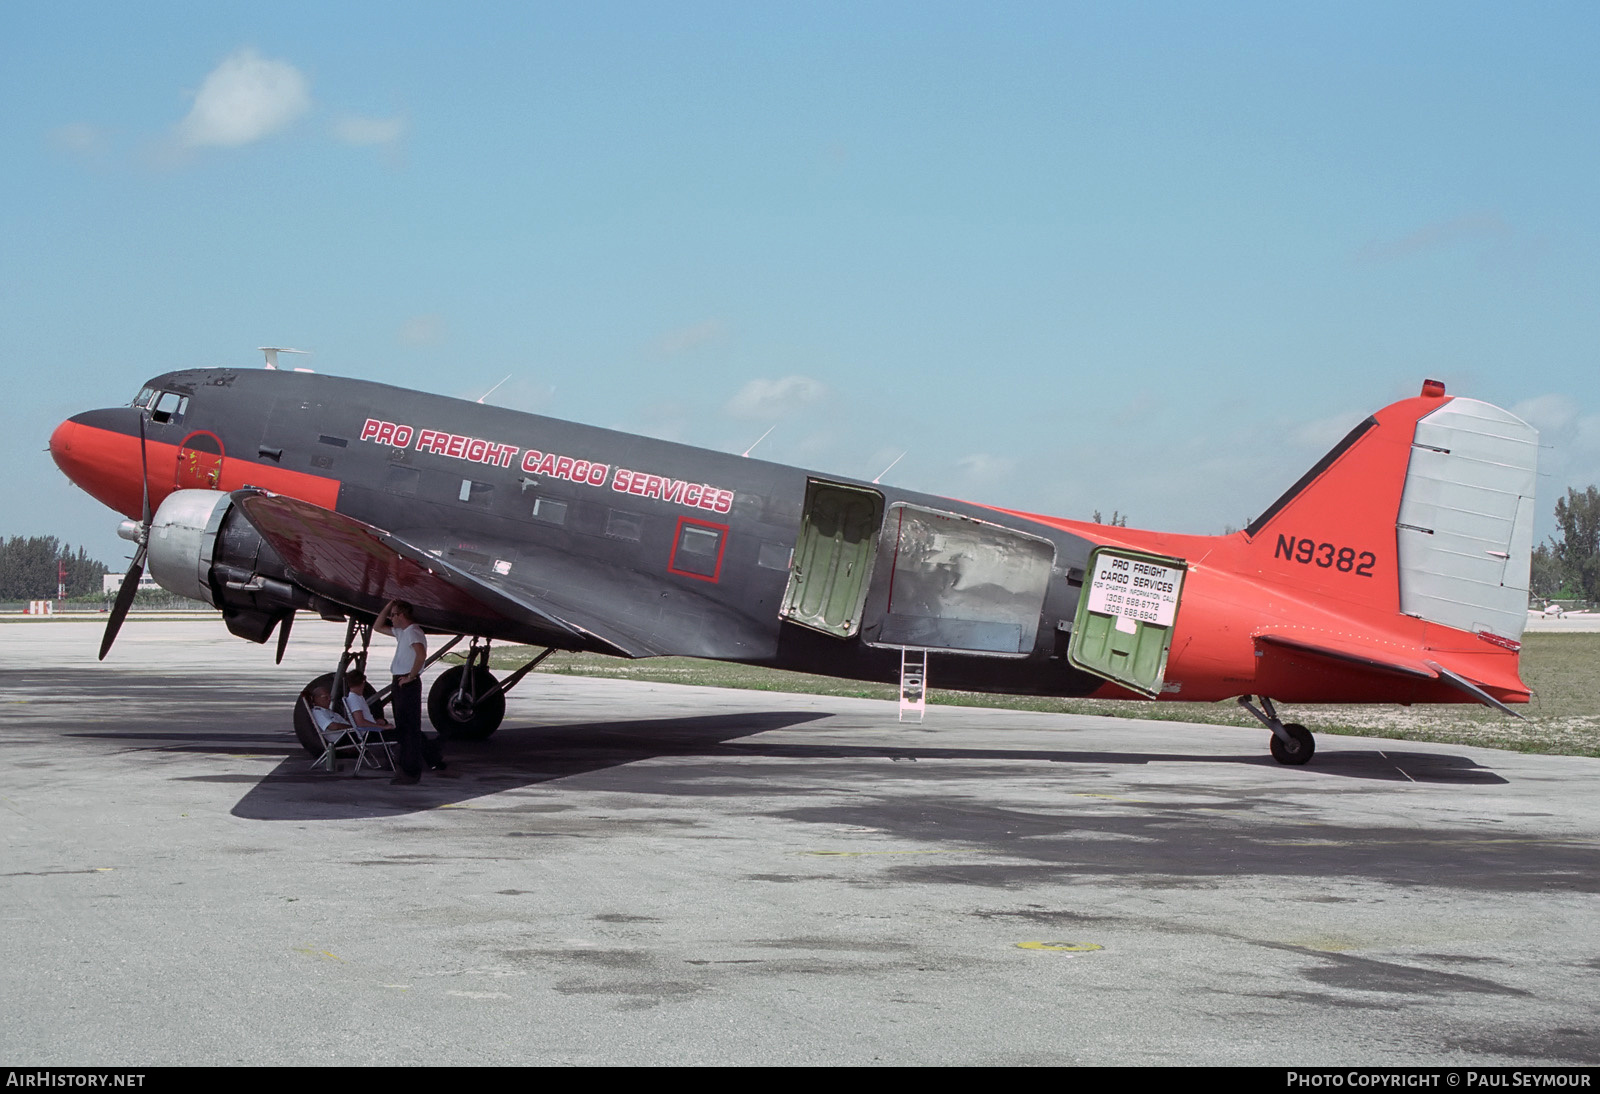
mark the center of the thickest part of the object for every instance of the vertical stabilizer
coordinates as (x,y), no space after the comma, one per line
(1425,508)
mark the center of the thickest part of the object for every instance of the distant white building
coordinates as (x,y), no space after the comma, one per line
(111,584)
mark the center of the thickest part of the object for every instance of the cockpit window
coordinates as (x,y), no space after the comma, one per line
(144,397)
(169,406)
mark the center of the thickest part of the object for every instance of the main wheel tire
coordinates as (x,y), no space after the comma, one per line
(305,730)
(1300,751)
(469,714)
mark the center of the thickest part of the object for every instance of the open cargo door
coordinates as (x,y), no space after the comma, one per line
(1123,628)
(959,584)
(833,558)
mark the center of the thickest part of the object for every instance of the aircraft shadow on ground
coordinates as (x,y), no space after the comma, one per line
(526,756)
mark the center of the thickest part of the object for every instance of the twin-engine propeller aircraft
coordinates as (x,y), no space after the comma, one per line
(1394,571)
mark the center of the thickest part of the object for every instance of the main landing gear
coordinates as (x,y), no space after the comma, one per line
(466,702)
(1292,743)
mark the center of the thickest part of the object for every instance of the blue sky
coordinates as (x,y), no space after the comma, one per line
(1146,257)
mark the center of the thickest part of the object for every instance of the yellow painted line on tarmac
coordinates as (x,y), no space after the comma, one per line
(1061,947)
(1324,944)
(324,954)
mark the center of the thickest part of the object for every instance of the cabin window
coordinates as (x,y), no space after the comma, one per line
(475,493)
(402,480)
(169,406)
(697,550)
(775,556)
(144,397)
(550,511)
(620,525)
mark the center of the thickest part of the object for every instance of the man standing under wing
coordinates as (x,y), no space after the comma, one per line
(411,653)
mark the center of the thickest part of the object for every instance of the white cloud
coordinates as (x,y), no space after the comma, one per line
(981,471)
(764,399)
(79,138)
(245,98)
(1436,236)
(423,330)
(688,338)
(667,420)
(1495,243)
(1321,434)
(1549,414)
(358,130)
(1569,451)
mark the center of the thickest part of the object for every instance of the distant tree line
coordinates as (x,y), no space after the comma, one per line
(1567,566)
(29,567)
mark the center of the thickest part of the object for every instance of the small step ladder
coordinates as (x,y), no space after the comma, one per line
(913,683)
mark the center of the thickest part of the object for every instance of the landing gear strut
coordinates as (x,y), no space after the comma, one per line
(1292,743)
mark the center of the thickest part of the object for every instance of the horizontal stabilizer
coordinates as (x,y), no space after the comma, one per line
(1356,651)
(1462,683)
(1382,657)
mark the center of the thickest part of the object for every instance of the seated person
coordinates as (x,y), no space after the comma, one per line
(322,713)
(355,703)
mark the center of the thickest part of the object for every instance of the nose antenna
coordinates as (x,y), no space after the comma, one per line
(273,351)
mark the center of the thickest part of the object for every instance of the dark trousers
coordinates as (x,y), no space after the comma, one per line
(405,702)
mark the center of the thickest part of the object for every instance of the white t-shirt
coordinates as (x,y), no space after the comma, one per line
(357,706)
(405,661)
(325,719)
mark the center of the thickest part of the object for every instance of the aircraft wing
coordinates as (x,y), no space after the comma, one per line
(512,591)
(356,564)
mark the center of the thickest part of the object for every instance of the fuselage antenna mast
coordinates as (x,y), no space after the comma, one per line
(272,355)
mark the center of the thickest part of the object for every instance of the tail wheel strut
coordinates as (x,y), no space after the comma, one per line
(1291,743)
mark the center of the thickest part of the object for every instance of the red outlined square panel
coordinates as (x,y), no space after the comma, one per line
(697,549)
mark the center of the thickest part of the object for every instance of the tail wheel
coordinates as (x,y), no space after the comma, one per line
(305,730)
(465,708)
(1296,751)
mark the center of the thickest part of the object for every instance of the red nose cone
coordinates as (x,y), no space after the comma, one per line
(102,462)
(61,442)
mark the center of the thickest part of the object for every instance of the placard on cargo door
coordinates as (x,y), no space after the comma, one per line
(1123,627)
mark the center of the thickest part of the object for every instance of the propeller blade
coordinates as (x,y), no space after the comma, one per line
(144,475)
(130,582)
(119,608)
(283,636)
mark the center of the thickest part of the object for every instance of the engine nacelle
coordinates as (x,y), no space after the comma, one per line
(182,535)
(202,548)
